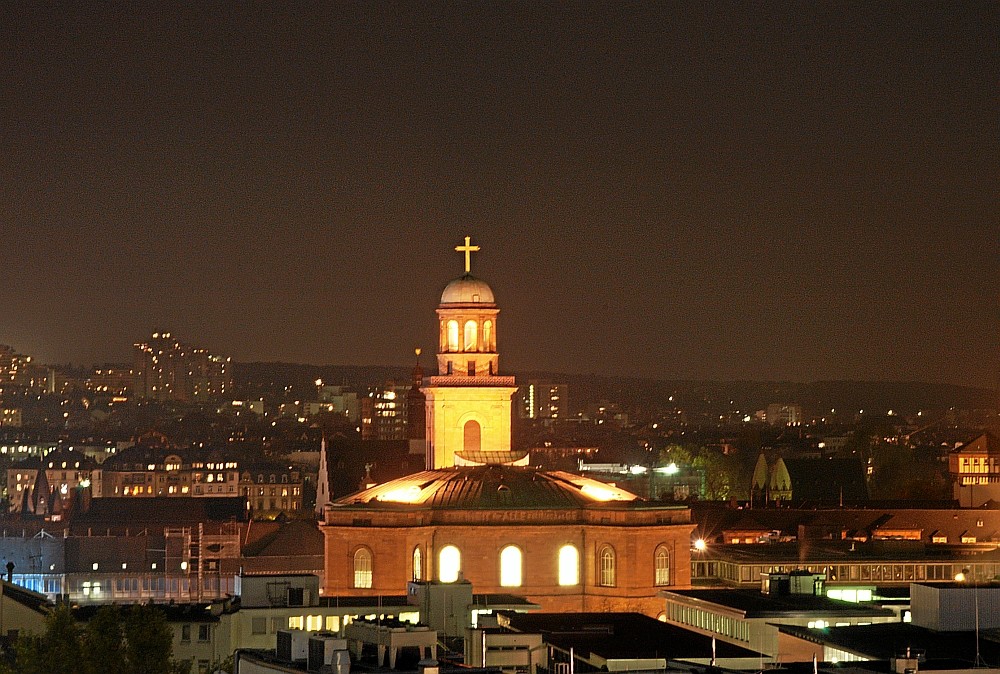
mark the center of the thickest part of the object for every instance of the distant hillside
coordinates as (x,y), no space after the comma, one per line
(636,395)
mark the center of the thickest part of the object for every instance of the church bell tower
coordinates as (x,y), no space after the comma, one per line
(468,401)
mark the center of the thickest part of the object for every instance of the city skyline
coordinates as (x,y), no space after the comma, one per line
(725,193)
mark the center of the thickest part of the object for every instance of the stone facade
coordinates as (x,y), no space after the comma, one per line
(633,534)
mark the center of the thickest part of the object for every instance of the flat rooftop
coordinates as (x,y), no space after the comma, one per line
(756,604)
(621,636)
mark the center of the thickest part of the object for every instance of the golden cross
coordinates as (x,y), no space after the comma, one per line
(468,250)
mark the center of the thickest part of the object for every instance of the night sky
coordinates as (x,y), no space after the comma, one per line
(781,190)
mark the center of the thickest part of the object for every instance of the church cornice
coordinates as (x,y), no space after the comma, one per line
(463,380)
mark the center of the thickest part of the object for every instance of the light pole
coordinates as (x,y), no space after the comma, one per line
(964,576)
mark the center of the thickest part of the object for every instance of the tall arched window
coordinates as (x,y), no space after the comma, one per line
(488,336)
(473,433)
(453,335)
(510,566)
(569,565)
(606,567)
(470,336)
(449,564)
(661,565)
(418,564)
(363,568)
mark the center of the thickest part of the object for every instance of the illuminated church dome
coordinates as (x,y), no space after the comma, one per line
(494,486)
(467,289)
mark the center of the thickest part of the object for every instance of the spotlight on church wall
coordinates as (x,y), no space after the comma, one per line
(700,545)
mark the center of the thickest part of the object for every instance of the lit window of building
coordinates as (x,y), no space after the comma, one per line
(449,564)
(510,566)
(569,565)
(607,567)
(661,564)
(362,569)
(418,564)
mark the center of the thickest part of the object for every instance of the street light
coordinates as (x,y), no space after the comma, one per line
(961,577)
(700,545)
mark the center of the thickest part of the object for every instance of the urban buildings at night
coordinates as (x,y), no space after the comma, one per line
(167,369)
(539,399)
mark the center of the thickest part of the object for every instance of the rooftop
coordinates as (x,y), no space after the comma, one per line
(887,640)
(492,487)
(621,635)
(755,604)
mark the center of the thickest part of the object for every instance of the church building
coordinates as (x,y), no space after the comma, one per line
(479,512)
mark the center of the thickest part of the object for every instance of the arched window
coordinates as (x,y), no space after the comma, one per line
(470,336)
(607,567)
(449,564)
(418,564)
(453,335)
(510,566)
(661,565)
(473,436)
(488,336)
(363,568)
(569,565)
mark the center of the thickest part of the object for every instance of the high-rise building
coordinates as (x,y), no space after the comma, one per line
(540,399)
(167,369)
(111,379)
(21,371)
(383,413)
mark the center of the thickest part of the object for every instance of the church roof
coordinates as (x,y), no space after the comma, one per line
(491,487)
(467,289)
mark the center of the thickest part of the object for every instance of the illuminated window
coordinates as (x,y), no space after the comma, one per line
(607,567)
(473,436)
(569,565)
(363,568)
(449,564)
(453,335)
(418,564)
(470,336)
(488,336)
(661,564)
(510,566)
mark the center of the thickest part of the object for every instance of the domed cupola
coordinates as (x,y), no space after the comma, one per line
(467,317)
(467,289)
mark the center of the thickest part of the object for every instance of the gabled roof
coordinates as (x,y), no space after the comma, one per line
(170,511)
(293,538)
(987,443)
(33,601)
